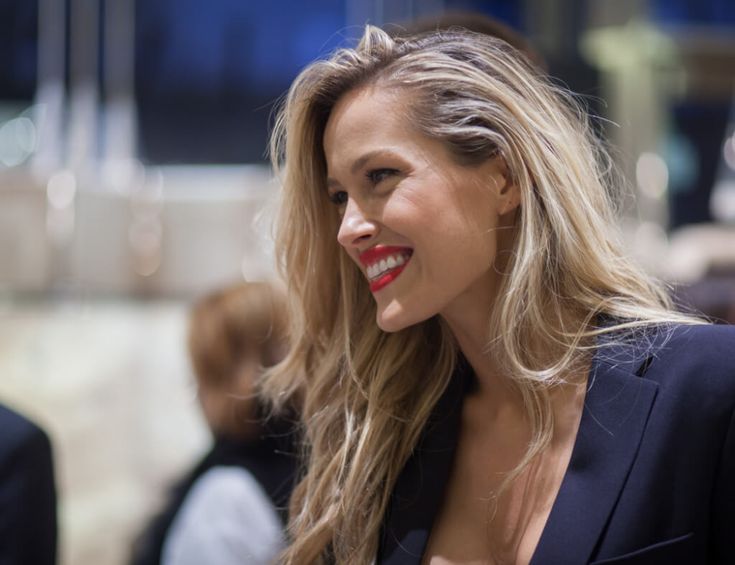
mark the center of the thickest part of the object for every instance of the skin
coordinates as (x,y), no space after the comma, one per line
(409,192)
(394,186)
(458,220)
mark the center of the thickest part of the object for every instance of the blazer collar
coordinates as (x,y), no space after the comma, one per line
(617,405)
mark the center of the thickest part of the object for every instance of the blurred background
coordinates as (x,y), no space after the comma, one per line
(133,179)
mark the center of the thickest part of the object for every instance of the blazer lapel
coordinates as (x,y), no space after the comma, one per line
(419,490)
(617,406)
(615,414)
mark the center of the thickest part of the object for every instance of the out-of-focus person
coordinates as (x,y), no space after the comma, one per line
(476,22)
(230,507)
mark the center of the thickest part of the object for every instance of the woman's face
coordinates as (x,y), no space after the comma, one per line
(423,229)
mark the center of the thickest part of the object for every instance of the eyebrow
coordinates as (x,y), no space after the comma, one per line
(359,163)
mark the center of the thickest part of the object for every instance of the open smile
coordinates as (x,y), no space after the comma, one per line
(383,264)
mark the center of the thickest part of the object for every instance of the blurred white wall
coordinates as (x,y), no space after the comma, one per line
(111,384)
(165,231)
(24,252)
(105,372)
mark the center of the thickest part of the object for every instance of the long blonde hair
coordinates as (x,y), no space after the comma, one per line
(365,395)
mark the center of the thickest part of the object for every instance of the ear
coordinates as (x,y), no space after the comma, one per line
(510,198)
(507,191)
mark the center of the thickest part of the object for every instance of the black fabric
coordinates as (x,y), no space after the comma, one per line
(411,513)
(271,459)
(28,527)
(650,478)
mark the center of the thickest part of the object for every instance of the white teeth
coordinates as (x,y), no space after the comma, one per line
(391,262)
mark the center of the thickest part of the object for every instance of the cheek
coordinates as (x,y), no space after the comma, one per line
(466,237)
(480,228)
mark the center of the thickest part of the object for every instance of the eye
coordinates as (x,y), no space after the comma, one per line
(338,197)
(375,176)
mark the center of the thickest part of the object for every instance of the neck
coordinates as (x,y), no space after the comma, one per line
(497,399)
(495,390)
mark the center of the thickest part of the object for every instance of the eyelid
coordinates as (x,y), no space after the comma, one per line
(371,174)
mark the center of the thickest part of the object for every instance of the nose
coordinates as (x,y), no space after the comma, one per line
(357,227)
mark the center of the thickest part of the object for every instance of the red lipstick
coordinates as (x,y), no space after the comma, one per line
(373,256)
(386,279)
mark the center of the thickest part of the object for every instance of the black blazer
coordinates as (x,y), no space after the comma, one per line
(27,493)
(651,478)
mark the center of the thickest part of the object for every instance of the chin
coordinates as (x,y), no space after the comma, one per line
(394,318)
(390,318)
(389,326)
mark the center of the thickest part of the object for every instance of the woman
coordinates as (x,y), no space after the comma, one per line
(483,374)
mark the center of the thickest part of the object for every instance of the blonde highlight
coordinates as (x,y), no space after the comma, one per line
(366,395)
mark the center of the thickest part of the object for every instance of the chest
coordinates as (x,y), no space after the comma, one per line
(649,479)
(494,510)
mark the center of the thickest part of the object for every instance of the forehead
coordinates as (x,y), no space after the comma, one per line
(374,120)
(361,103)
(366,119)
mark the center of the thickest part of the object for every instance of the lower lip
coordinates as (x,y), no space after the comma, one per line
(386,279)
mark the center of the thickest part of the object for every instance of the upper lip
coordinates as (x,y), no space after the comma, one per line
(375,254)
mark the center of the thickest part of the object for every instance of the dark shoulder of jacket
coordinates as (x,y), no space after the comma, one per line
(20,433)
(693,359)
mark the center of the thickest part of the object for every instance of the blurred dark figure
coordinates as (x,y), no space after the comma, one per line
(28,529)
(713,296)
(566,68)
(472,21)
(231,507)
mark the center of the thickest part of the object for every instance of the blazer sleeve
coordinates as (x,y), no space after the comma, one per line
(723,503)
(28,526)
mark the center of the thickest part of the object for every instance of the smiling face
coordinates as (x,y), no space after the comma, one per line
(424,230)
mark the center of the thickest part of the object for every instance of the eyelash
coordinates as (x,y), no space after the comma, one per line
(374,176)
(337,199)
